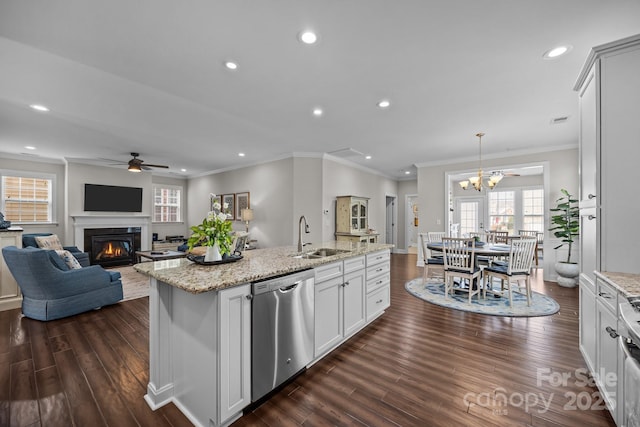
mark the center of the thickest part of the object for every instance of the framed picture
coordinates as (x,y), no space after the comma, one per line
(242,202)
(214,200)
(230,199)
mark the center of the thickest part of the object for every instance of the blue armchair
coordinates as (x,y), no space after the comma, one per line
(29,239)
(50,290)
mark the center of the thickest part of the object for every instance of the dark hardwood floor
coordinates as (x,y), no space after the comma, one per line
(417,365)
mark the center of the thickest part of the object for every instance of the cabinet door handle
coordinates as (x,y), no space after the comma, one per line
(591,217)
(249,297)
(591,196)
(605,295)
(379,301)
(612,332)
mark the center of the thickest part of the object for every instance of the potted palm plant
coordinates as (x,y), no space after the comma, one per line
(566,226)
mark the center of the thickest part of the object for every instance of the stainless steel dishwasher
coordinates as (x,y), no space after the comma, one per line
(282,330)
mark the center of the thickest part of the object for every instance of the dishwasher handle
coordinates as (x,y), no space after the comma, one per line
(289,288)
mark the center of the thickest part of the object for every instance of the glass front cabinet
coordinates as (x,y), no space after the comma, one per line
(352,220)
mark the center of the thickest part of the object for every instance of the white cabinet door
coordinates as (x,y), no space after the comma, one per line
(588,140)
(354,302)
(235,350)
(588,324)
(588,244)
(328,315)
(607,355)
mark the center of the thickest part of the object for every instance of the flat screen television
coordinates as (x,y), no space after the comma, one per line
(112,198)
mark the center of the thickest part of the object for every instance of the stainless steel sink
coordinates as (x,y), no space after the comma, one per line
(320,253)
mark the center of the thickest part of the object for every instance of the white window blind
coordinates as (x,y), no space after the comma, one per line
(27,199)
(167,204)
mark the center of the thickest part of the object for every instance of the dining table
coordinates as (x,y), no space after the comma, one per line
(485,249)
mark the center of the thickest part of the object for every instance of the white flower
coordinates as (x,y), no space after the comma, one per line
(216,206)
(222,216)
(226,206)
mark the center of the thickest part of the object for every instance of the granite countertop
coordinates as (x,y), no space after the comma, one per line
(627,283)
(255,265)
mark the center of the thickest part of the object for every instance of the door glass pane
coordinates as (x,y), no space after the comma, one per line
(468,217)
(354,209)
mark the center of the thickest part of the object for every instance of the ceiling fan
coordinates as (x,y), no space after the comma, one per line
(138,165)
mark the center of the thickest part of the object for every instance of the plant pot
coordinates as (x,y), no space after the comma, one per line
(567,274)
(212,254)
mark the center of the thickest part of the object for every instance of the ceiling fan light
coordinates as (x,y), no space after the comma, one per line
(134,168)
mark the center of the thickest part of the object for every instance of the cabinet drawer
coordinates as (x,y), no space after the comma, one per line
(329,271)
(377,270)
(378,257)
(377,302)
(353,264)
(608,295)
(378,282)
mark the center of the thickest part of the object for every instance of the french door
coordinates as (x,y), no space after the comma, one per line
(469,212)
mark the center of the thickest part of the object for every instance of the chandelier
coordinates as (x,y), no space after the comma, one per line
(476,181)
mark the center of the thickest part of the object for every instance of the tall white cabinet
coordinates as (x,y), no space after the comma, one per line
(609,94)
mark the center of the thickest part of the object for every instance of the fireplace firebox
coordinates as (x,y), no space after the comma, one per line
(112,246)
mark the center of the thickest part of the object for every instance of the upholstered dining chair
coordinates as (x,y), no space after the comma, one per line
(517,269)
(431,263)
(459,262)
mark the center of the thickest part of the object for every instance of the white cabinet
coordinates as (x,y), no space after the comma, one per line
(235,350)
(352,220)
(200,351)
(339,302)
(588,339)
(10,296)
(609,90)
(607,345)
(378,283)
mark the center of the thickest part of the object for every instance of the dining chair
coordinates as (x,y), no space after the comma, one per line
(534,234)
(483,237)
(500,236)
(431,263)
(517,269)
(435,237)
(459,262)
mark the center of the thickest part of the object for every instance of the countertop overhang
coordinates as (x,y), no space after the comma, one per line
(257,264)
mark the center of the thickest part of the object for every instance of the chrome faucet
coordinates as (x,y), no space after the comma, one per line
(306,230)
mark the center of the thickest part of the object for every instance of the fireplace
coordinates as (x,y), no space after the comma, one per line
(112,246)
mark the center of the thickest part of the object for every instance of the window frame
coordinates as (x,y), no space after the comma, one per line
(180,203)
(53,194)
(518,200)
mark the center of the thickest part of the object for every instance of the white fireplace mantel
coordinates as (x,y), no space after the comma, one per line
(80,222)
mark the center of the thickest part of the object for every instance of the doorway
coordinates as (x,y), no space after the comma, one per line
(390,222)
(411,223)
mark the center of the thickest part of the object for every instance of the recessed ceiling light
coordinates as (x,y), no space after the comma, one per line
(231,65)
(39,107)
(241,154)
(556,52)
(407,172)
(384,103)
(368,157)
(317,111)
(308,37)
(29,147)
(183,170)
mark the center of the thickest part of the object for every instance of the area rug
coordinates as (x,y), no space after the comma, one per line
(134,284)
(433,292)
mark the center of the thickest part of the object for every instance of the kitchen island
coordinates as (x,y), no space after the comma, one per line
(200,320)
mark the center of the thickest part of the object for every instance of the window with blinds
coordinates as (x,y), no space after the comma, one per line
(166,204)
(27,199)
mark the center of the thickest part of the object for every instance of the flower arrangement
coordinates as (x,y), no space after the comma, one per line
(214,230)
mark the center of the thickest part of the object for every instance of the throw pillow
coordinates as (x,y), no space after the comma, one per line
(49,242)
(69,259)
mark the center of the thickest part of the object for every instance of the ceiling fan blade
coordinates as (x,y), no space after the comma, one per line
(155,166)
(145,167)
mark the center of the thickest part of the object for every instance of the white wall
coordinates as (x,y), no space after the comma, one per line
(562,173)
(341,179)
(307,199)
